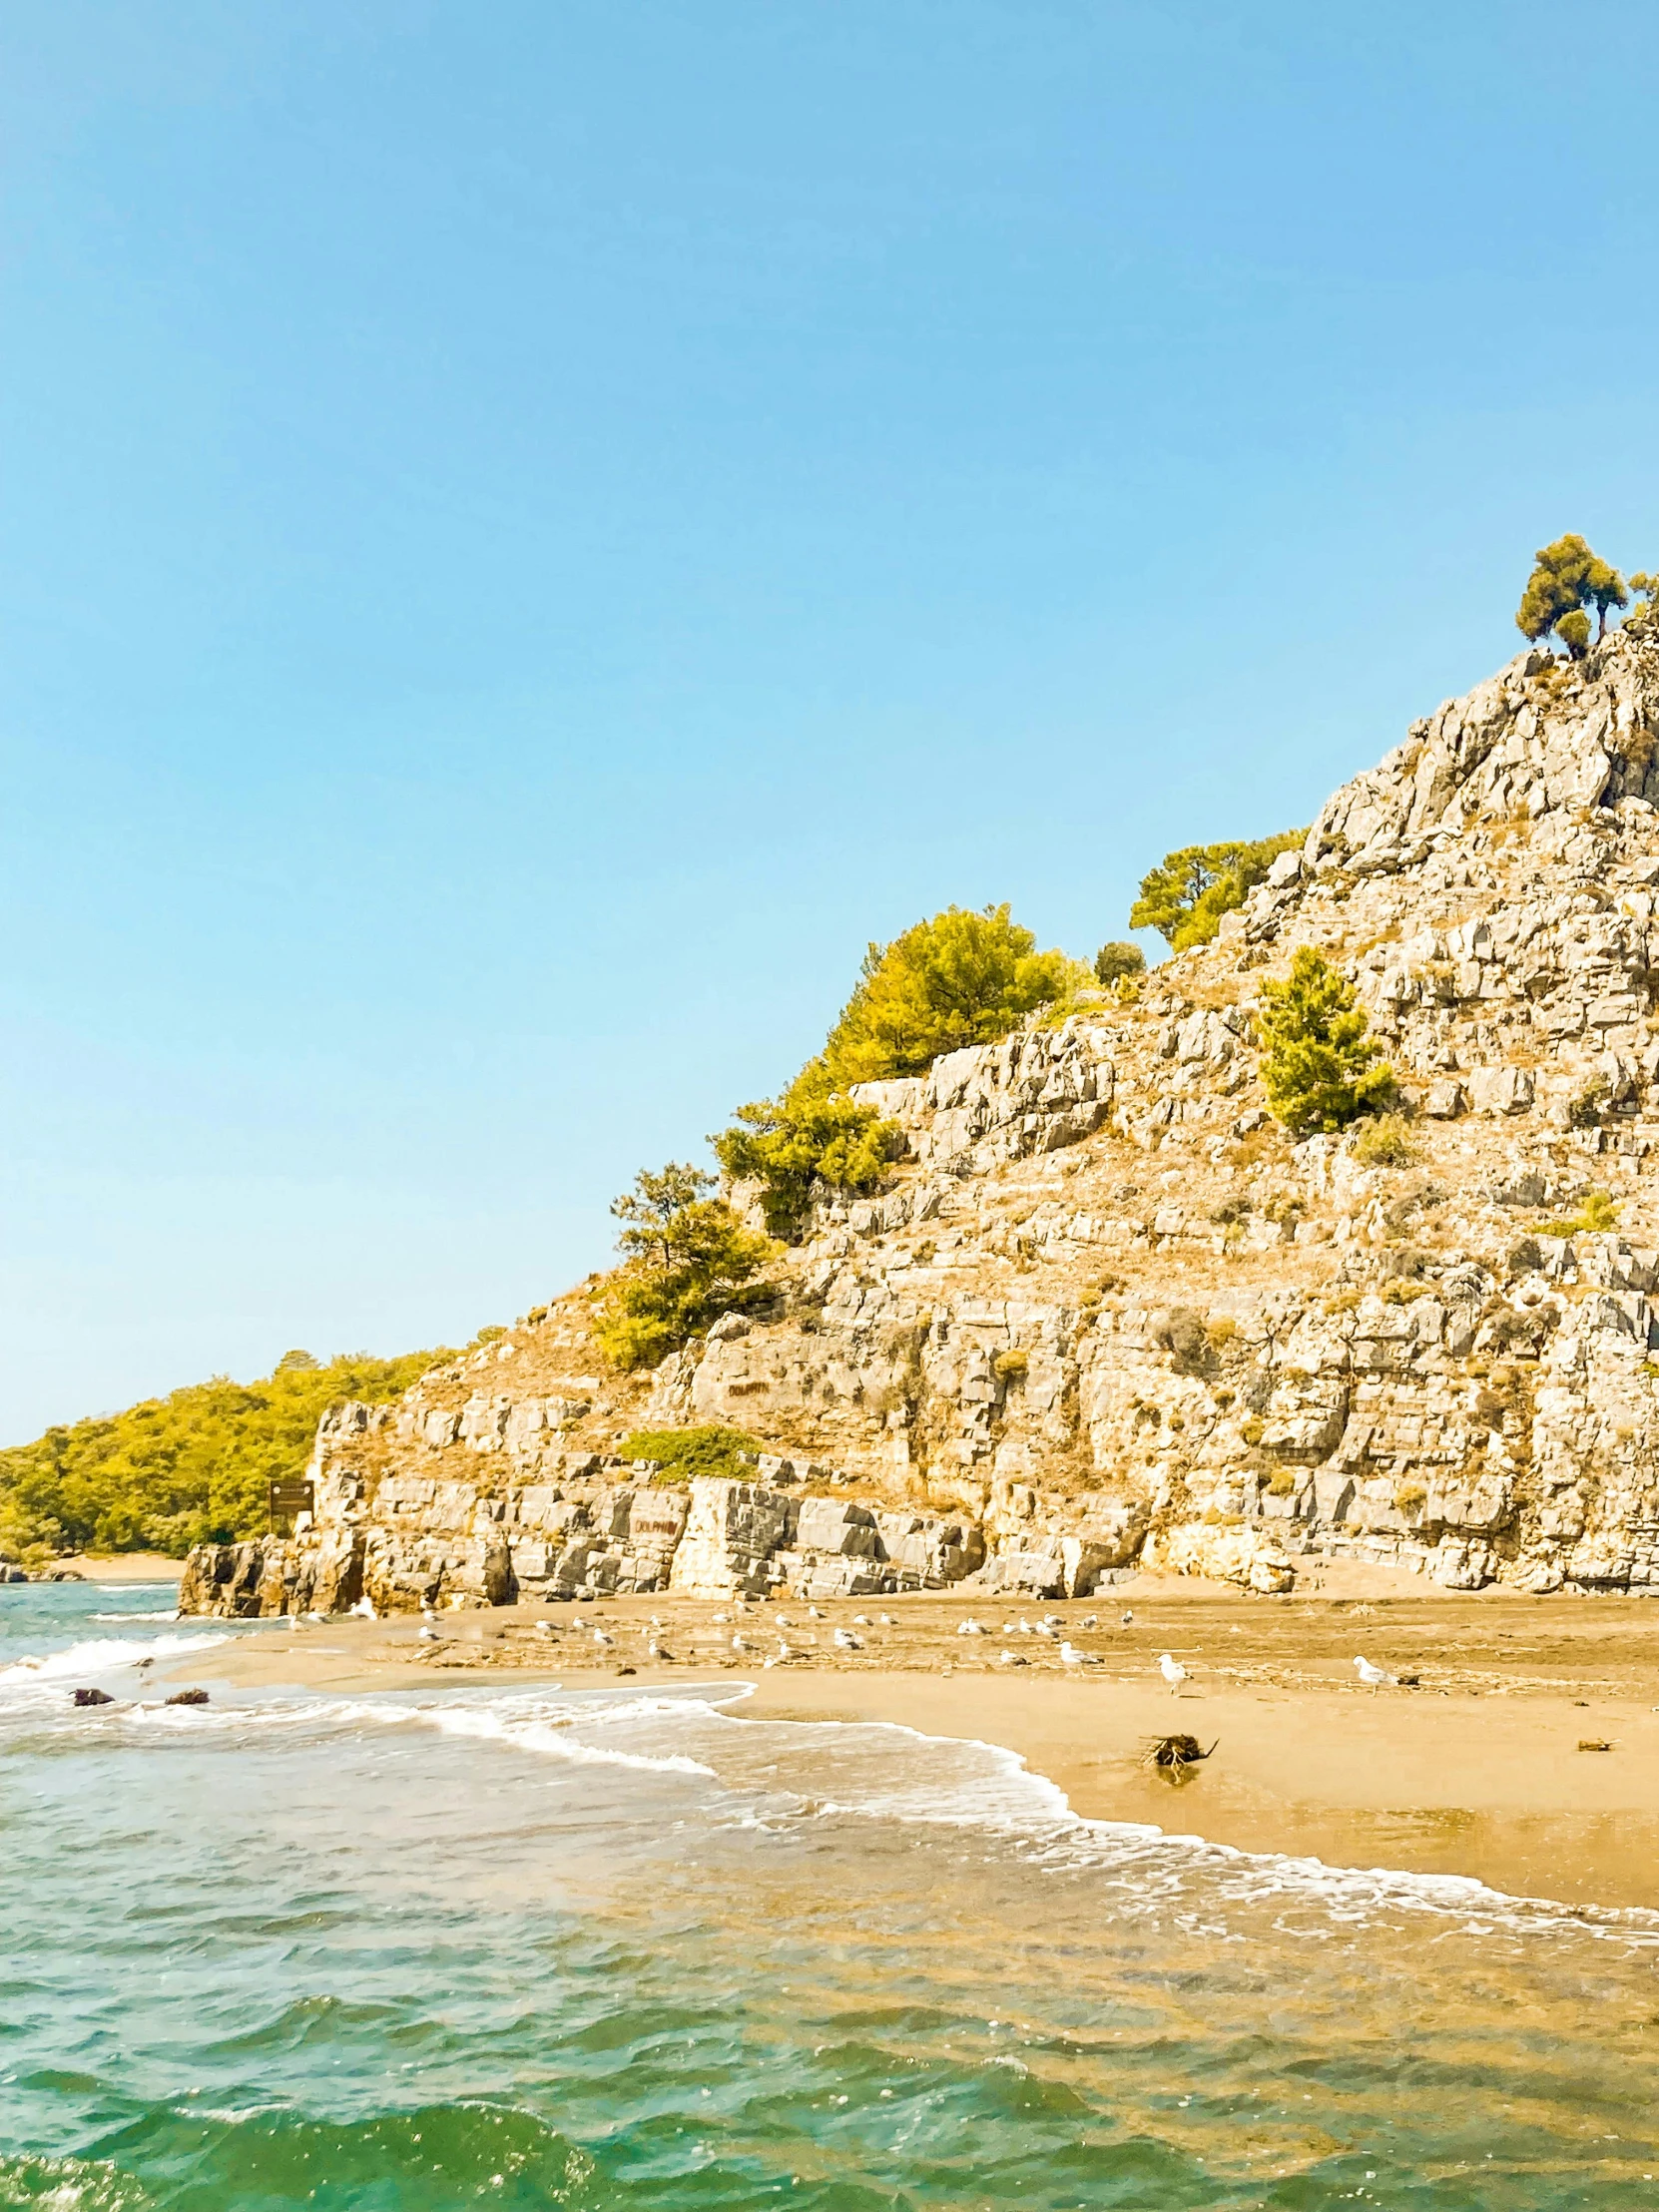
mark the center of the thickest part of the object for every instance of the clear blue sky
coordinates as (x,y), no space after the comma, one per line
(531,532)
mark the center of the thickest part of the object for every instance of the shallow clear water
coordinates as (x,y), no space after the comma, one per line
(531,1946)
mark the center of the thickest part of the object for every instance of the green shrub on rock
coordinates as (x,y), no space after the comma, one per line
(960,978)
(1185,897)
(1114,961)
(681,1453)
(686,1259)
(814,1134)
(1318,1067)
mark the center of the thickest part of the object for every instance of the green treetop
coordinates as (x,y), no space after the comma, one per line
(1187,893)
(1318,1067)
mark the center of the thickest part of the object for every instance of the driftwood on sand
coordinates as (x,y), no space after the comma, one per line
(1173,1755)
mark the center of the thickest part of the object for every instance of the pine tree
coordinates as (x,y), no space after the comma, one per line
(1567,577)
(1318,1067)
(686,1259)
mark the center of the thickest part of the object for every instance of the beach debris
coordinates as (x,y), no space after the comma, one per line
(1594,1743)
(1374,1678)
(1070,1656)
(1173,1755)
(188,1697)
(93,1697)
(846,1641)
(1173,1672)
(624,1669)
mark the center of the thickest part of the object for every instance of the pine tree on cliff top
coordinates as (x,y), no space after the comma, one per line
(1318,1067)
(1567,577)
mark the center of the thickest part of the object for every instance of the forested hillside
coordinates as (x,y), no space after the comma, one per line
(183,1469)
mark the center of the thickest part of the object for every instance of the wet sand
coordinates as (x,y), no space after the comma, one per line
(1476,1770)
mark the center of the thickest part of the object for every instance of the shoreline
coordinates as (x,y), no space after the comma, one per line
(1478,1772)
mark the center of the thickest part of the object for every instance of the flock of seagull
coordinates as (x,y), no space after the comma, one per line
(1373,1678)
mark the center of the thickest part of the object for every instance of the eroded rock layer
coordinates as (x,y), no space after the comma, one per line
(1107,1311)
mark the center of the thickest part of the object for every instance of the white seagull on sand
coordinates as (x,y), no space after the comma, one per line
(1173,1672)
(846,1641)
(1374,1678)
(1070,1656)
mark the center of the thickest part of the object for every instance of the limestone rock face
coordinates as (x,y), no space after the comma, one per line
(1106,1311)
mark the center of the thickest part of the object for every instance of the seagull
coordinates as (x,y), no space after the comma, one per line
(846,1641)
(738,1644)
(1092,1621)
(813,1613)
(428,1634)
(363,1610)
(1043,1629)
(1374,1678)
(600,1637)
(783,1621)
(860,1620)
(1072,1657)
(885,1619)
(1024,1626)
(1173,1672)
(969,1628)
(1012,1659)
(1124,1619)
(656,1651)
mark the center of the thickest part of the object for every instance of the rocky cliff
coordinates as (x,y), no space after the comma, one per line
(1107,1311)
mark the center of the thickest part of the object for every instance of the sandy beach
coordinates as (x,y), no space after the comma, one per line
(1475,1770)
(121,1567)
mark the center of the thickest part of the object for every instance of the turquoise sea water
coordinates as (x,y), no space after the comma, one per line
(530,1946)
